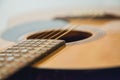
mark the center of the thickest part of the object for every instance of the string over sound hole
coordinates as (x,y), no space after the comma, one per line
(73,35)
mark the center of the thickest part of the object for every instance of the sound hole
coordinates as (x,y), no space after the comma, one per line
(73,35)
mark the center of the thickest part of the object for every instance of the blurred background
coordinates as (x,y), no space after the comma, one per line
(12,8)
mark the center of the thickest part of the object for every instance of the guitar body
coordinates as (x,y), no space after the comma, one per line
(102,52)
(96,57)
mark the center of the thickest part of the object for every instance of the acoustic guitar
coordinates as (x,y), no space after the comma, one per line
(92,50)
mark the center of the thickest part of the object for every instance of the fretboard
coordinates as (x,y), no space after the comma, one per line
(24,53)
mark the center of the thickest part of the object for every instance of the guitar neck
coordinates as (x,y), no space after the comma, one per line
(25,53)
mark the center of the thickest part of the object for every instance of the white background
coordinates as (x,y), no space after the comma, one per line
(11,8)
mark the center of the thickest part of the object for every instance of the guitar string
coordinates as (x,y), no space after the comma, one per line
(48,33)
(51,33)
(70,29)
(62,31)
(42,35)
(65,31)
(58,31)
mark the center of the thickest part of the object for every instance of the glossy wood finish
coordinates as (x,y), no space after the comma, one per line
(101,53)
